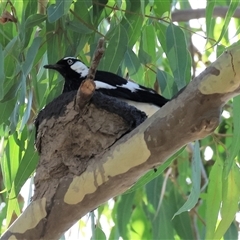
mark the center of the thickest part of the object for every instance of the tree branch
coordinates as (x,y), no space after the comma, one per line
(83,165)
(84,94)
(189,14)
(87,87)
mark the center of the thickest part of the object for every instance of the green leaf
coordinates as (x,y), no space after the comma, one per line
(184,170)
(161,214)
(124,212)
(148,41)
(235,146)
(230,199)
(232,232)
(140,227)
(11,47)
(53,54)
(178,55)
(14,118)
(98,7)
(29,8)
(115,51)
(161,30)
(13,207)
(83,14)
(135,29)
(2,75)
(220,50)
(213,198)
(13,155)
(209,14)
(12,92)
(99,234)
(114,233)
(78,27)
(134,67)
(6,110)
(133,22)
(182,222)
(35,20)
(5,164)
(161,227)
(31,54)
(196,181)
(153,190)
(231,10)
(167,84)
(152,174)
(147,51)
(56,11)
(27,111)
(27,164)
(160,7)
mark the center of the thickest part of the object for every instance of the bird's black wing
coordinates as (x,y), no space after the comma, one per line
(116,86)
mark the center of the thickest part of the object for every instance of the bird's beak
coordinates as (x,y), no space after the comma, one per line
(53,66)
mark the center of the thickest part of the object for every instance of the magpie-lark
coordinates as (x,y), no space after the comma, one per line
(74,72)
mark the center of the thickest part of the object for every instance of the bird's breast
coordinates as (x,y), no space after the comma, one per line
(148,108)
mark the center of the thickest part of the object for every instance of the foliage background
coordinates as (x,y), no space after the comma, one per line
(194,195)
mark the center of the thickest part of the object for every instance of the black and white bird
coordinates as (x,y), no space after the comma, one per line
(74,72)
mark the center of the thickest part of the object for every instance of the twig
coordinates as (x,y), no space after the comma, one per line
(87,87)
(96,59)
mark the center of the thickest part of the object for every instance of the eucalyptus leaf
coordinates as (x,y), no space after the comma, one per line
(2,75)
(56,11)
(196,181)
(27,164)
(35,20)
(160,7)
(178,55)
(115,51)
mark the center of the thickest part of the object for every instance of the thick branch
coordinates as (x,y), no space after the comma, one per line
(78,171)
(188,14)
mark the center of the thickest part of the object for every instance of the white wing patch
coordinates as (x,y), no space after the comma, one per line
(100,85)
(133,87)
(130,86)
(80,68)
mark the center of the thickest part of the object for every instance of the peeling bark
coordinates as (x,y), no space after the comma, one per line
(87,158)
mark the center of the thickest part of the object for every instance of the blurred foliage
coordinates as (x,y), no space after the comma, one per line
(192,195)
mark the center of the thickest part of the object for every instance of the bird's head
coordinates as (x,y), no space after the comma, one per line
(70,68)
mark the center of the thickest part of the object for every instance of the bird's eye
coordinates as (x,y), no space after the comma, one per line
(70,61)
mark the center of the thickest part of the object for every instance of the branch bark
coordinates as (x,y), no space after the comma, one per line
(188,14)
(87,158)
(87,88)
